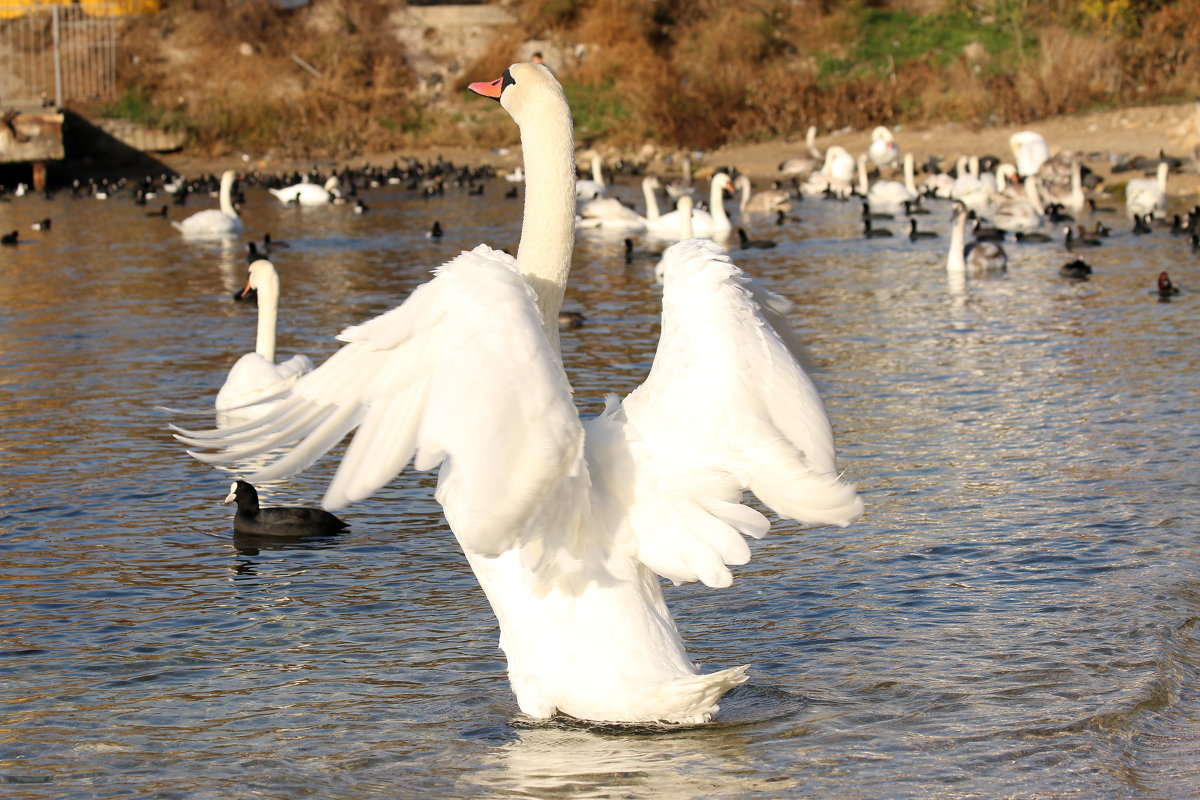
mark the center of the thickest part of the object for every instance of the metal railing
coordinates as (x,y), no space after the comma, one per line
(52,54)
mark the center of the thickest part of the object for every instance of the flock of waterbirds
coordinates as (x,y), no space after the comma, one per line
(1036,199)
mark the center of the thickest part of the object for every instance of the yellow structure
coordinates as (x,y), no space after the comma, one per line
(97,8)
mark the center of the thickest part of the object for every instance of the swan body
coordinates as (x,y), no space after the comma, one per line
(836,176)
(308,194)
(1145,197)
(768,201)
(1024,214)
(1070,197)
(255,377)
(801,167)
(568,525)
(214,222)
(890,196)
(976,258)
(610,213)
(883,150)
(1029,152)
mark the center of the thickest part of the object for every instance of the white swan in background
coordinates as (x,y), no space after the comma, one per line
(682,185)
(836,176)
(255,376)
(713,223)
(1070,197)
(1147,196)
(1029,152)
(213,222)
(307,193)
(890,196)
(975,191)
(768,201)
(568,524)
(801,167)
(883,151)
(976,258)
(590,189)
(1020,213)
(609,213)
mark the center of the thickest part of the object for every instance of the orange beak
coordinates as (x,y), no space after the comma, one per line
(487,88)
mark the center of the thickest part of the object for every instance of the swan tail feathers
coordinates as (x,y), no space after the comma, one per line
(696,696)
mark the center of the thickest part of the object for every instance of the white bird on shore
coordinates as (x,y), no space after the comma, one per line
(214,222)
(569,524)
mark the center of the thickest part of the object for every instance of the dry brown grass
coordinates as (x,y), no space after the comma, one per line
(691,73)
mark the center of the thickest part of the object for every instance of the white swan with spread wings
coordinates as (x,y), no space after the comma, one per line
(568,524)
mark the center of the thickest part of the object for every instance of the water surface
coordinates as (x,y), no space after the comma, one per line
(1014,616)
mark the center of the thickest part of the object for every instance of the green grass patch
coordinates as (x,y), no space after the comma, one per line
(597,110)
(887,39)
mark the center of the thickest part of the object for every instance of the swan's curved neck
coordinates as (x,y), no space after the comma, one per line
(652,212)
(744,182)
(955,262)
(685,212)
(267,286)
(227,195)
(716,202)
(548,224)
(910,178)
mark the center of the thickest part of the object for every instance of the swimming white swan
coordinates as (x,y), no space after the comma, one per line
(568,525)
(307,193)
(768,201)
(1147,196)
(889,196)
(836,176)
(976,258)
(213,222)
(590,189)
(1019,213)
(255,376)
(609,213)
(802,167)
(1070,196)
(713,223)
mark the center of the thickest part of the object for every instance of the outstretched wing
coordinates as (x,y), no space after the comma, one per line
(460,375)
(726,407)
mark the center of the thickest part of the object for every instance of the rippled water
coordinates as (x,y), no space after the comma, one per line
(1015,615)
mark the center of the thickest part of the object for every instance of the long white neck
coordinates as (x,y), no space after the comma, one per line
(266,283)
(744,183)
(1162,176)
(1032,194)
(648,187)
(227,194)
(716,200)
(685,211)
(1076,184)
(862,175)
(810,139)
(597,170)
(955,262)
(910,179)
(548,224)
